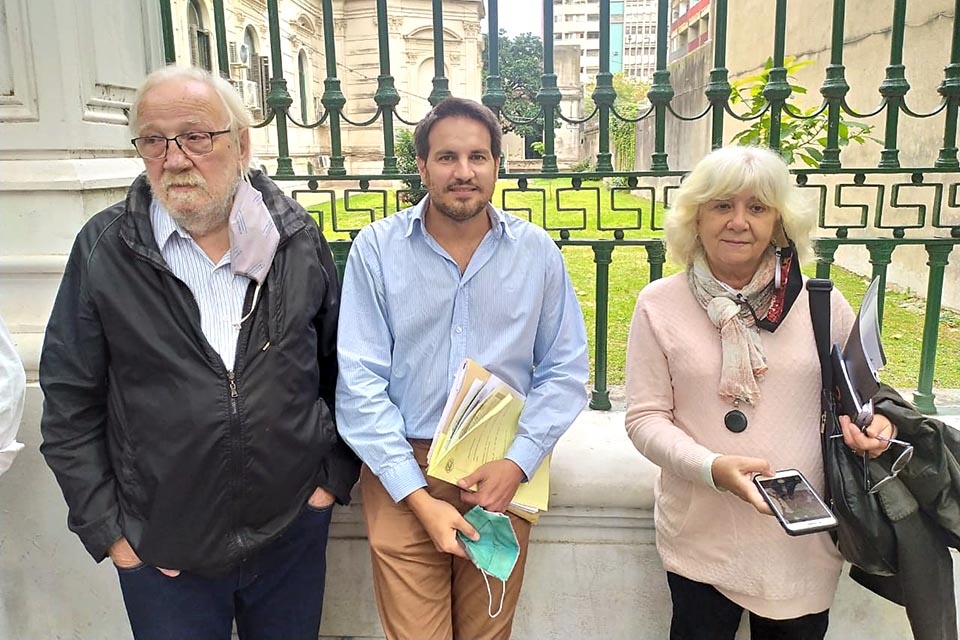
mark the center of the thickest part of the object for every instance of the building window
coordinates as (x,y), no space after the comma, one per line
(252,71)
(199,39)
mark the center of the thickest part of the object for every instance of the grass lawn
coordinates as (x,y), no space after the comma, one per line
(629,272)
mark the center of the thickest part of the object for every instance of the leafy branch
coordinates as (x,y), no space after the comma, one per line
(800,137)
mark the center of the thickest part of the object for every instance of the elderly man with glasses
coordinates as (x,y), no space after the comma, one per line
(189,370)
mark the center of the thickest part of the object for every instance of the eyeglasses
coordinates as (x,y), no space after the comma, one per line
(898,465)
(194,143)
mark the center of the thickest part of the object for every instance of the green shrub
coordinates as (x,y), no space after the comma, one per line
(407,163)
(582,166)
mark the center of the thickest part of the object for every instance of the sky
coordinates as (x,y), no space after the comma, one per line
(518,16)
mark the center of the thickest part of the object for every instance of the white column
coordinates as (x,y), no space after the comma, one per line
(68,71)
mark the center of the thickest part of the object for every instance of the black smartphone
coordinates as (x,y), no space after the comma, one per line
(794,502)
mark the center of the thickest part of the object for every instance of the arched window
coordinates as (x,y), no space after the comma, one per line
(248,55)
(199,38)
(303,67)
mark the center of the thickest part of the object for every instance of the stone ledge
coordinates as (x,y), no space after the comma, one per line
(68,174)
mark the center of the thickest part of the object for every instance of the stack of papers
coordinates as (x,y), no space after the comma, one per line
(478,424)
(855,368)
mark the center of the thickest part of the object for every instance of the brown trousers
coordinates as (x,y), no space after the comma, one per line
(423,594)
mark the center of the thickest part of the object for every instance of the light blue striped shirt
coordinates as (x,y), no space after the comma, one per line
(408,319)
(218,292)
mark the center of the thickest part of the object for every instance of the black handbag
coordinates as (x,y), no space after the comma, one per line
(864,534)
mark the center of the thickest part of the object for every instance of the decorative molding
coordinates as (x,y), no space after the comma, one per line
(471,29)
(395,24)
(107,82)
(454,57)
(413,57)
(340,27)
(304,24)
(18,80)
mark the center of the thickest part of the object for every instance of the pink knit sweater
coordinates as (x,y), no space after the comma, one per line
(675,419)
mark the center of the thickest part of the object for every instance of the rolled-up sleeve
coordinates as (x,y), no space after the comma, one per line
(13,384)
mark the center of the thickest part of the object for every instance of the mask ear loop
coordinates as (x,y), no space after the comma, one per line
(253,306)
(777,267)
(503,593)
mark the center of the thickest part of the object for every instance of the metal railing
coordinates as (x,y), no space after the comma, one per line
(930,229)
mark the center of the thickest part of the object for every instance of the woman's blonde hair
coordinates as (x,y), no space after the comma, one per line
(726,172)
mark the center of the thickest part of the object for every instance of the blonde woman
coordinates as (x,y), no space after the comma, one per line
(723,382)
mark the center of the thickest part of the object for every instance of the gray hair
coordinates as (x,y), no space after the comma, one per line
(232,102)
(725,172)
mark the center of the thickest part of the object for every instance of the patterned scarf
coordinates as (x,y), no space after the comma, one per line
(735,315)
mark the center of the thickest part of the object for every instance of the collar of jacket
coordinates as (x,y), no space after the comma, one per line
(137,233)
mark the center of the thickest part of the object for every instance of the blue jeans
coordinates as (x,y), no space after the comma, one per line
(276,594)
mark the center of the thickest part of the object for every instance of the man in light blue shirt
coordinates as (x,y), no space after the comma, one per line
(449,279)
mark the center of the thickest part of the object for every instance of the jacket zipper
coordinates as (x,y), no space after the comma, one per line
(234,417)
(234,394)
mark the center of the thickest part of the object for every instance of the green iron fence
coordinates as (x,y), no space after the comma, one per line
(931,229)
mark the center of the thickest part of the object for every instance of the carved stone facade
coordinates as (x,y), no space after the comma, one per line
(409,27)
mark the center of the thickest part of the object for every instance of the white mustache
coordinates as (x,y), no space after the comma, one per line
(188,180)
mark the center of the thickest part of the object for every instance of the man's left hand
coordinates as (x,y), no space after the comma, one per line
(321,498)
(497,482)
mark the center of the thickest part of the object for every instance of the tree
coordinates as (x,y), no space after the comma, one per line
(521,65)
(804,138)
(631,93)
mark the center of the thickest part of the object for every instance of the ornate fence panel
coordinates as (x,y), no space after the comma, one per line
(928,195)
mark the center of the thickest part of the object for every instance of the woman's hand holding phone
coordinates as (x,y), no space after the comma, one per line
(794,502)
(735,474)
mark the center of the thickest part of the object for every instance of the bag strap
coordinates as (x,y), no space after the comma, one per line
(819,290)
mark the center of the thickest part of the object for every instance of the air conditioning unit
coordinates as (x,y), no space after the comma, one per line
(251,94)
(238,54)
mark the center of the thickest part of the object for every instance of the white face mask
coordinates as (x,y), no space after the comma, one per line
(254,236)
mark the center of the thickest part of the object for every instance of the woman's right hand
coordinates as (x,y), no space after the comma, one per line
(735,474)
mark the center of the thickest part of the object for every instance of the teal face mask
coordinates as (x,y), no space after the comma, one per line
(496,552)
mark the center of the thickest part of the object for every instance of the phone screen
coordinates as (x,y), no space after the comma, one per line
(793,498)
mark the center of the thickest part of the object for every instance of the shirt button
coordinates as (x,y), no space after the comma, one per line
(459,329)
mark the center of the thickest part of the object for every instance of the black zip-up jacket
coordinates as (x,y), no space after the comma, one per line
(148,433)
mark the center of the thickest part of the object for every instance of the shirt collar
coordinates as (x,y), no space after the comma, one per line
(164,226)
(497,220)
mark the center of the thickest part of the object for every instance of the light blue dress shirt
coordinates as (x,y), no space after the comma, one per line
(218,292)
(408,319)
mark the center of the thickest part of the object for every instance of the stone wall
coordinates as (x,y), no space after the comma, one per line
(593,571)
